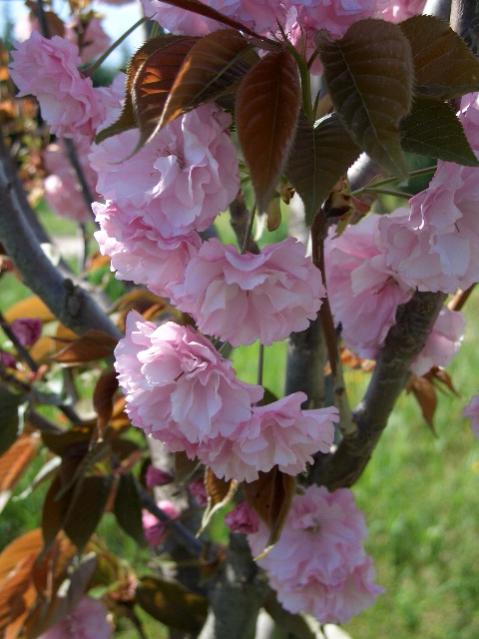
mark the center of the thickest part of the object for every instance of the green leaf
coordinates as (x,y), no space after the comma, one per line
(172,604)
(369,73)
(9,417)
(267,108)
(444,65)
(127,508)
(433,129)
(214,63)
(320,155)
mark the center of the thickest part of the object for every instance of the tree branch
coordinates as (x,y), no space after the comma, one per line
(236,597)
(71,304)
(404,342)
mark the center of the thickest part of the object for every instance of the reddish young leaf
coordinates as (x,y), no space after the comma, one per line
(103,398)
(127,508)
(444,65)
(203,10)
(13,464)
(426,396)
(271,497)
(30,307)
(214,63)
(369,73)
(219,493)
(127,119)
(153,83)
(89,347)
(267,109)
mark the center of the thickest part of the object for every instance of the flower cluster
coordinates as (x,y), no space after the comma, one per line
(155,531)
(472,411)
(365,291)
(319,565)
(182,392)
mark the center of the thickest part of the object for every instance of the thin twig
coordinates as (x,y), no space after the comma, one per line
(95,65)
(260,363)
(20,348)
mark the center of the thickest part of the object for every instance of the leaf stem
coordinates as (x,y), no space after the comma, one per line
(94,66)
(389,180)
(381,191)
(260,364)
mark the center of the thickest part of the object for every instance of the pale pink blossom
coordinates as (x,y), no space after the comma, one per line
(48,69)
(260,15)
(279,434)
(243,519)
(336,16)
(89,36)
(442,343)
(243,297)
(27,330)
(363,290)
(472,411)
(178,387)
(155,530)
(319,565)
(138,251)
(398,11)
(179,181)
(62,189)
(436,246)
(157,477)
(86,621)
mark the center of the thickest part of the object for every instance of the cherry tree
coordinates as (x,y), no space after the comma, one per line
(255,108)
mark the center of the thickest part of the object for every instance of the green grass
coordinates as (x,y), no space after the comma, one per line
(419,495)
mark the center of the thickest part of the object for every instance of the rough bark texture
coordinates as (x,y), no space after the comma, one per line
(404,341)
(71,304)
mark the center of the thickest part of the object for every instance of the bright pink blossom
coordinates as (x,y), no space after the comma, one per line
(155,531)
(62,190)
(27,330)
(179,181)
(178,387)
(472,411)
(138,251)
(243,519)
(319,565)
(157,477)
(363,291)
(443,342)
(86,621)
(48,69)
(398,11)
(278,434)
(243,297)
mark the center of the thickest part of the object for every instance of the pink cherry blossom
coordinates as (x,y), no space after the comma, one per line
(398,11)
(155,531)
(336,16)
(279,434)
(443,342)
(241,298)
(48,69)
(27,330)
(260,15)
(62,190)
(7,359)
(319,565)
(138,251)
(179,181)
(363,290)
(157,477)
(472,411)
(89,36)
(178,388)
(243,519)
(86,621)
